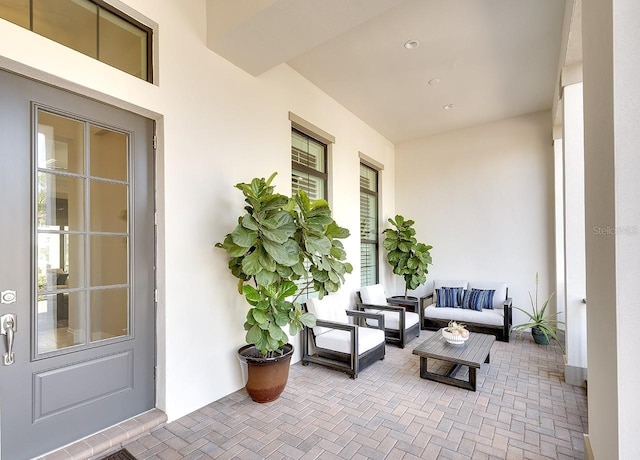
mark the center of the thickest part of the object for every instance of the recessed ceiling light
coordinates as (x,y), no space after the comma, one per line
(434,81)
(448,107)
(411,44)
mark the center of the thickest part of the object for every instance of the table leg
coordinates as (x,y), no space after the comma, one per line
(472,378)
(487,360)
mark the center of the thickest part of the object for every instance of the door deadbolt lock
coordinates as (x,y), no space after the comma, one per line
(7,296)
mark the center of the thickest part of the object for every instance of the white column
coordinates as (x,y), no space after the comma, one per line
(559,221)
(611,57)
(574,233)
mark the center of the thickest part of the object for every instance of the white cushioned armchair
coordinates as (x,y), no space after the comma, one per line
(483,306)
(400,326)
(336,342)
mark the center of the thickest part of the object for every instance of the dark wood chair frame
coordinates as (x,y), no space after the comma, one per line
(501,332)
(400,336)
(351,363)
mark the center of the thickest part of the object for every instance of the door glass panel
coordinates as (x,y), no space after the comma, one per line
(83,260)
(109,207)
(109,313)
(61,321)
(108,154)
(122,45)
(60,202)
(60,143)
(109,260)
(72,23)
(16,11)
(60,261)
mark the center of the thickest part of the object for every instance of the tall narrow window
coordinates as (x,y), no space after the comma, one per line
(308,165)
(368,225)
(308,173)
(92,27)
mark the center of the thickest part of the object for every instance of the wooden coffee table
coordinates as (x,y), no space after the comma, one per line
(471,353)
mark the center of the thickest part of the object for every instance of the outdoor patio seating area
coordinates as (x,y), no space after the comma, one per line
(521,409)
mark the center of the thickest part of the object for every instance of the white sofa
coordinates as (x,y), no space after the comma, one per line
(496,319)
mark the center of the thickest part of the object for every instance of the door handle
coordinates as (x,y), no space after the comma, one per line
(8,328)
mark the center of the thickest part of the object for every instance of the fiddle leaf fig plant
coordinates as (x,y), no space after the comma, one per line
(277,242)
(408,258)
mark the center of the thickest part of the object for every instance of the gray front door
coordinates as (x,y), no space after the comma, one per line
(76,267)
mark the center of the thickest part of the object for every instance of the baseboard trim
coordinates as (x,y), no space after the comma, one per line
(574,375)
(588,452)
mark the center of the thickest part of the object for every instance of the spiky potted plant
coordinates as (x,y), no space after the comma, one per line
(407,257)
(544,326)
(278,242)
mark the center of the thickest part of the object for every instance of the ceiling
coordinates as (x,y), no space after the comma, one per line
(490,59)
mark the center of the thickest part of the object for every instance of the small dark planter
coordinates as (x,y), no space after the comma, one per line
(266,377)
(539,337)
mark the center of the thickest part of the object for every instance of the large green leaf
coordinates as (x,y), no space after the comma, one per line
(249,222)
(232,249)
(317,244)
(244,237)
(251,264)
(278,236)
(287,254)
(251,293)
(286,289)
(265,278)
(254,334)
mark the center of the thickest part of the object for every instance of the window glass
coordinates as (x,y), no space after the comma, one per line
(108,35)
(82,240)
(108,154)
(109,313)
(368,225)
(122,45)
(308,173)
(72,23)
(108,211)
(16,11)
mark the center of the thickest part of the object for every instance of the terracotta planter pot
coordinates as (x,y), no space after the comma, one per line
(266,377)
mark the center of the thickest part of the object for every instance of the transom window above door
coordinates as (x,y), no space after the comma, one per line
(92,27)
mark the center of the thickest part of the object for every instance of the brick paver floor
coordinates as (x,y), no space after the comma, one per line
(522,409)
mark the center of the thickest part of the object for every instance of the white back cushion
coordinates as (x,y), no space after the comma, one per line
(330,308)
(501,291)
(373,295)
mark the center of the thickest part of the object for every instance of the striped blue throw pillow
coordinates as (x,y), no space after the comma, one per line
(477,299)
(448,297)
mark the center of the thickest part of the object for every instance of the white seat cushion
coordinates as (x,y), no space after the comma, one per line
(392,319)
(373,295)
(330,308)
(340,341)
(490,317)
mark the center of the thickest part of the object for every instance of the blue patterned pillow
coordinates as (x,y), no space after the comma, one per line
(477,299)
(448,297)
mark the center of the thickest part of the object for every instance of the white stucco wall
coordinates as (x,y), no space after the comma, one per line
(217,126)
(483,197)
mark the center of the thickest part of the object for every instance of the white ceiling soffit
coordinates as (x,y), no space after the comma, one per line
(494,59)
(257,35)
